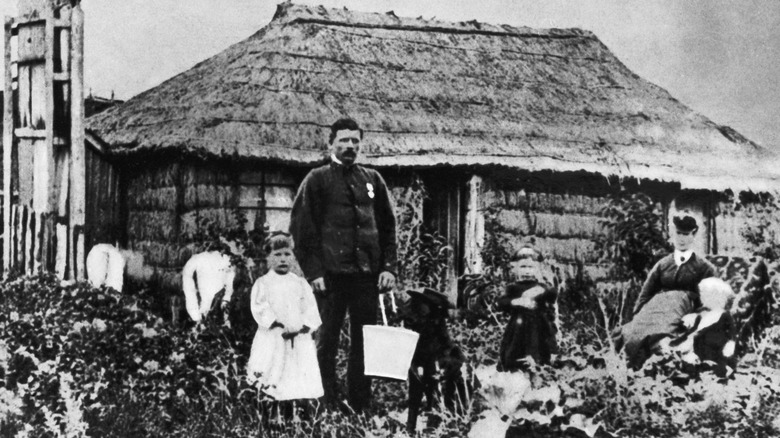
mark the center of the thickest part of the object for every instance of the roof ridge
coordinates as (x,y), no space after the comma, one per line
(289,13)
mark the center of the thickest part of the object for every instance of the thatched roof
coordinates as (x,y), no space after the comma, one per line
(432,93)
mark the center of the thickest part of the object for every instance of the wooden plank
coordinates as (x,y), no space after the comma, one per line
(51,253)
(39,96)
(8,139)
(32,242)
(24,249)
(44,240)
(23,158)
(52,195)
(22,22)
(78,256)
(77,139)
(14,238)
(31,42)
(64,170)
(43,243)
(63,54)
(30,133)
(25,117)
(19,226)
(475,228)
(61,257)
(40,176)
(453,240)
(40,252)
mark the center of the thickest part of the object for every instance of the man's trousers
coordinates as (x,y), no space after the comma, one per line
(357,294)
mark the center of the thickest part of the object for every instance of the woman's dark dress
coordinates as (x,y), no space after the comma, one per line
(666,276)
(530,332)
(668,293)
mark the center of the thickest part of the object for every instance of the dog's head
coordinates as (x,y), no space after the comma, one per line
(427,308)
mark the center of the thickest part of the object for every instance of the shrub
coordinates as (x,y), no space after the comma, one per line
(108,348)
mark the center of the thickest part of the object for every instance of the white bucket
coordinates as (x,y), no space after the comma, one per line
(388,351)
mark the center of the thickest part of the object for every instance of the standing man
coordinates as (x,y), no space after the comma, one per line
(344,230)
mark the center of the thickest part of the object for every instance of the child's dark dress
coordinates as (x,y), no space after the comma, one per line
(709,338)
(530,332)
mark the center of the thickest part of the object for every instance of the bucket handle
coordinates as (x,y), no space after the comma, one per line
(392,306)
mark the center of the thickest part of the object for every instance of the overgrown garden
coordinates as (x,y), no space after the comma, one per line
(77,361)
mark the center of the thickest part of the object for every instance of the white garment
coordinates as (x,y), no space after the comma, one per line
(681,257)
(213,272)
(106,266)
(285,369)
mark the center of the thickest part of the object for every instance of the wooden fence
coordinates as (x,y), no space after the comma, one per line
(33,241)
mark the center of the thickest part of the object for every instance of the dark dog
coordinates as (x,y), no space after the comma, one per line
(437,365)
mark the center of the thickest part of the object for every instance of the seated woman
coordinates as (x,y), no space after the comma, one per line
(669,293)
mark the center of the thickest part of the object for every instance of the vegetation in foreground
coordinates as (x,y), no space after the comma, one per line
(77,361)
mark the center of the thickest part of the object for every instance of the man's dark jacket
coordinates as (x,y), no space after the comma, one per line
(342,222)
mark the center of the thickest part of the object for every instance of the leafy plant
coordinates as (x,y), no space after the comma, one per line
(408,196)
(634,237)
(761,229)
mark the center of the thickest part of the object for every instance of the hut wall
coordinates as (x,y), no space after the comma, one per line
(729,225)
(563,227)
(170,206)
(734,219)
(103,221)
(152,214)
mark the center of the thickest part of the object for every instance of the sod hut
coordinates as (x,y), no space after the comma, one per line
(536,125)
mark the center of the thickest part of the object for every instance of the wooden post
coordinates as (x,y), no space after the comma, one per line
(46,168)
(453,240)
(32,243)
(8,143)
(14,236)
(78,161)
(24,239)
(475,228)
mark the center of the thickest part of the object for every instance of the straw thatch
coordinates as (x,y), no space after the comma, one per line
(163,255)
(563,250)
(222,218)
(154,225)
(433,93)
(528,223)
(542,202)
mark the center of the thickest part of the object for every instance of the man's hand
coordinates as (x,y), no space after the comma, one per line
(386,281)
(318,284)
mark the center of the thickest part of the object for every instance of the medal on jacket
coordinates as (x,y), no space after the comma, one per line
(370,188)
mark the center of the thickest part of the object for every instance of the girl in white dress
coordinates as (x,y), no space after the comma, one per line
(283,360)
